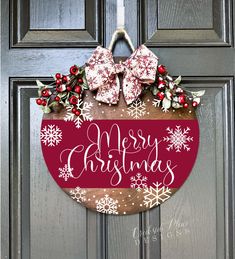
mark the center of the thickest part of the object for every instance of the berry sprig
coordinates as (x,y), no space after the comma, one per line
(168,92)
(66,90)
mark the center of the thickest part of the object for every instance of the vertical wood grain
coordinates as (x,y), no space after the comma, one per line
(120,241)
(184,14)
(51,14)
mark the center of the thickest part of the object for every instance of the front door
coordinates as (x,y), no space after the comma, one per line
(192,38)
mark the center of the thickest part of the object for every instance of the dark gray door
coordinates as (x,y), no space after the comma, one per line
(195,39)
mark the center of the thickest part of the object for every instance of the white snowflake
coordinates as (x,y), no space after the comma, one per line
(137,109)
(107,205)
(84,108)
(78,194)
(51,135)
(178,139)
(65,172)
(156,102)
(154,196)
(138,182)
(146,65)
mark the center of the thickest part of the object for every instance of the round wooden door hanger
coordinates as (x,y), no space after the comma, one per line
(118,163)
(119,147)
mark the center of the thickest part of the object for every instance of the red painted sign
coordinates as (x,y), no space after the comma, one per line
(120,153)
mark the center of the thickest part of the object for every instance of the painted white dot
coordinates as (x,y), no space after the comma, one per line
(110,104)
(148,113)
(119,205)
(129,195)
(89,199)
(123,200)
(114,110)
(190,111)
(86,95)
(112,191)
(102,112)
(122,110)
(93,196)
(133,203)
(99,104)
(104,190)
(173,110)
(125,205)
(124,212)
(110,156)
(148,100)
(121,115)
(138,196)
(141,205)
(120,192)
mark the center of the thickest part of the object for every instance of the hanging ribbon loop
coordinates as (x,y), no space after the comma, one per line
(121,34)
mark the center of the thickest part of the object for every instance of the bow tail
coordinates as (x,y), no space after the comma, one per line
(131,88)
(109,92)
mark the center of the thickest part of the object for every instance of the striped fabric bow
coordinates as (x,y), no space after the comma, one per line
(102,74)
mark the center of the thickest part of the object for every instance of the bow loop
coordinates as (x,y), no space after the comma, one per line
(143,63)
(102,74)
(99,68)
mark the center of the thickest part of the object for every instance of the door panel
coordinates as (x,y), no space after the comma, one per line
(186,23)
(56,23)
(38,221)
(201,203)
(43,219)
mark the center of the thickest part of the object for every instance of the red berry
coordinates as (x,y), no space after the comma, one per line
(160,80)
(161,86)
(58,76)
(161,69)
(186,105)
(182,99)
(73,70)
(73,100)
(160,95)
(39,101)
(74,110)
(58,81)
(64,79)
(44,103)
(69,88)
(61,88)
(80,80)
(57,98)
(77,89)
(77,113)
(46,93)
(179,90)
(195,104)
